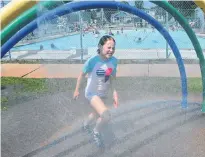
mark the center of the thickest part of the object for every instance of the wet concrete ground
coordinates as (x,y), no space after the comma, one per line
(145,124)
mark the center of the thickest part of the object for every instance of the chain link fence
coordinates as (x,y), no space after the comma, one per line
(78,34)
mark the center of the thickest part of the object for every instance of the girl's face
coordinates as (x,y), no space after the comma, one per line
(108,49)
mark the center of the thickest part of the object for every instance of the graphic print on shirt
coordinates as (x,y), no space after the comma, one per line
(104,73)
(108,72)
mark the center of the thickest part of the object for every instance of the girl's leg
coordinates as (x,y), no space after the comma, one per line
(88,121)
(90,118)
(102,110)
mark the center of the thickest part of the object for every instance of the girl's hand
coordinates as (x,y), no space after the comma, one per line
(76,95)
(115,98)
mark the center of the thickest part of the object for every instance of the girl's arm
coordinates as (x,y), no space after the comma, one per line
(79,79)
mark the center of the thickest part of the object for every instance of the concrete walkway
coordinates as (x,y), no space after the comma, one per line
(73,70)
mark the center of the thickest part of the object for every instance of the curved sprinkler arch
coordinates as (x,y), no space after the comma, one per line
(183,22)
(200,4)
(24,19)
(77,6)
(13,10)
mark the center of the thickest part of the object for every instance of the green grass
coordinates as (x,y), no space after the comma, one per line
(4,101)
(18,87)
(25,84)
(194,85)
(21,61)
(39,85)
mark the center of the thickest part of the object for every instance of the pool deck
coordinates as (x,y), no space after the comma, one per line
(75,54)
(73,70)
(201,35)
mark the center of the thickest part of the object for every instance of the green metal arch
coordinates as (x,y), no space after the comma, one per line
(183,22)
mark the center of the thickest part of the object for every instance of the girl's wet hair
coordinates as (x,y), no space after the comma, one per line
(103,40)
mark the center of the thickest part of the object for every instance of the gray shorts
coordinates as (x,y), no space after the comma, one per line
(106,99)
(90,95)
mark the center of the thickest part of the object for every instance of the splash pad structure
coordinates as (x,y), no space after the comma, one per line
(143,129)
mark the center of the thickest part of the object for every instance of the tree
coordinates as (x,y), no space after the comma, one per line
(139,5)
(159,12)
(93,14)
(185,7)
(125,2)
(108,13)
(183,4)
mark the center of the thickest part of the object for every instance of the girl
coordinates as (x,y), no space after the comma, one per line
(101,70)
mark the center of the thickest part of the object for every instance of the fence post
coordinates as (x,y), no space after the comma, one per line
(10,55)
(167,26)
(203,23)
(102,17)
(81,36)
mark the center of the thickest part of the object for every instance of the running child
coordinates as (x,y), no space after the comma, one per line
(101,71)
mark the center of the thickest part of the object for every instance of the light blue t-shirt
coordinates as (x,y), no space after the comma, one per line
(99,72)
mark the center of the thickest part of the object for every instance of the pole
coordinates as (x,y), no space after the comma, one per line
(10,55)
(102,17)
(167,27)
(81,37)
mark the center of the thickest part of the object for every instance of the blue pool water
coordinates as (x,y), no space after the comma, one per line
(127,40)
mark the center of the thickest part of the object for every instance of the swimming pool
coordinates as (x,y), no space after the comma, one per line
(126,40)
